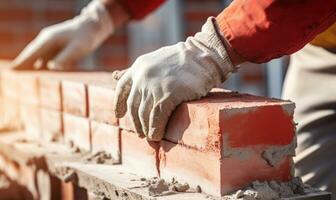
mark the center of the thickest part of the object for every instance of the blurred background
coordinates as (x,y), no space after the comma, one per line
(21,21)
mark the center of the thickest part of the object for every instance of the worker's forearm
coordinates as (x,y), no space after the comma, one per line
(260,30)
(117,12)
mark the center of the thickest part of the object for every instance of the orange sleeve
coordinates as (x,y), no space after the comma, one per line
(260,30)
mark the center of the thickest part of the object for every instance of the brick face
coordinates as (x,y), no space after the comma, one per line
(135,149)
(216,175)
(74,96)
(214,142)
(231,116)
(77,131)
(101,104)
(106,138)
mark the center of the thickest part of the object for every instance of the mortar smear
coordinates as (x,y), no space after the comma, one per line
(272,190)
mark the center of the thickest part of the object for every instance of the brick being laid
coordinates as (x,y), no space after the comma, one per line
(226,140)
(239,120)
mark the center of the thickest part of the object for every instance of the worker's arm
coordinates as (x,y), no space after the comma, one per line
(260,30)
(60,46)
(248,30)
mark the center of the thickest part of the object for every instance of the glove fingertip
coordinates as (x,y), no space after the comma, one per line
(155,134)
(121,95)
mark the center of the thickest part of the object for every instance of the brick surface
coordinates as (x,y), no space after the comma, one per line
(50,92)
(10,84)
(28,179)
(11,116)
(51,124)
(139,155)
(74,90)
(74,95)
(49,187)
(101,99)
(126,123)
(217,175)
(228,117)
(73,192)
(31,119)
(28,87)
(77,130)
(106,138)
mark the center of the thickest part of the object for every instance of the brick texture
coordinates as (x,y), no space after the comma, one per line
(77,131)
(106,138)
(215,174)
(206,124)
(74,98)
(139,155)
(51,124)
(101,104)
(50,92)
(31,119)
(214,142)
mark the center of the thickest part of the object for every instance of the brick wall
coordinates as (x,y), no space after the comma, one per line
(205,140)
(21,21)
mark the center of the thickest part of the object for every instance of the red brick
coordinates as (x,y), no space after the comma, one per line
(31,119)
(10,168)
(115,62)
(50,92)
(28,179)
(230,118)
(51,124)
(73,192)
(121,39)
(106,138)
(215,174)
(126,123)
(101,104)
(49,187)
(16,14)
(74,94)
(10,84)
(139,155)
(67,191)
(6,37)
(11,116)
(77,130)
(56,16)
(28,87)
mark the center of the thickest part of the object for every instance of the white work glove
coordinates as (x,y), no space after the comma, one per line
(159,81)
(60,46)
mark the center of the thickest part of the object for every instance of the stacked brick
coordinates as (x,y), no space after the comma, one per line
(21,21)
(218,143)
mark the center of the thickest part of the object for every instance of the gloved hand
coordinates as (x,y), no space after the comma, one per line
(60,46)
(159,81)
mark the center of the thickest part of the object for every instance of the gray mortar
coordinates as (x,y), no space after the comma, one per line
(101,157)
(275,154)
(271,190)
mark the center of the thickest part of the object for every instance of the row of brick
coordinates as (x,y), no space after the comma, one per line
(214,142)
(36,183)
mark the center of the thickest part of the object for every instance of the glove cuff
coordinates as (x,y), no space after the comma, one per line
(210,37)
